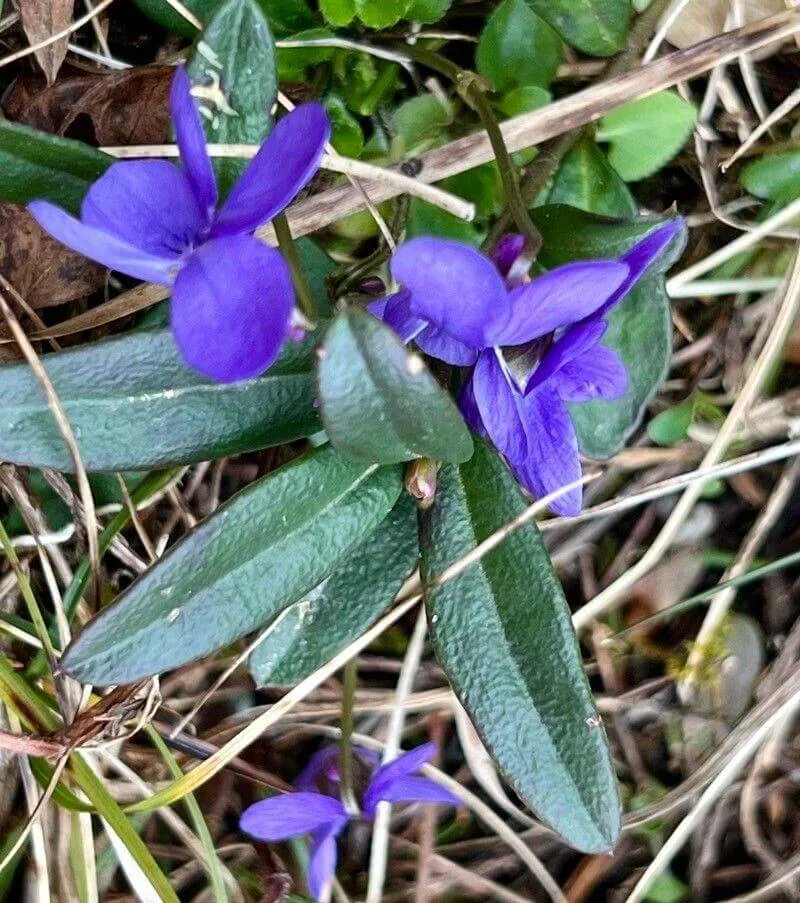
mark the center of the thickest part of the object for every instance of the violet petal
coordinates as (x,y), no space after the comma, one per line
(192,143)
(231,308)
(409,789)
(641,257)
(561,297)
(574,342)
(106,249)
(285,163)
(148,203)
(291,814)
(507,251)
(597,373)
(469,409)
(500,405)
(454,287)
(553,459)
(437,343)
(397,315)
(322,861)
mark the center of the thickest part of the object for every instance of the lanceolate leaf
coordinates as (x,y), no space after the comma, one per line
(234,73)
(257,554)
(503,634)
(36,165)
(379,402)
(134,405)
(640,326)
(597,27)
(341,608)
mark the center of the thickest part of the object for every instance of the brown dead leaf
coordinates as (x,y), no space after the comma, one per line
(703,19)
(129,107)
(42,270)
(41,19)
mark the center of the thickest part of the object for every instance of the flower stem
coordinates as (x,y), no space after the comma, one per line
(347,791)
(289,250)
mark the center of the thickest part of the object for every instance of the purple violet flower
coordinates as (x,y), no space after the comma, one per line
(534,345)
(316,809)
(232,295)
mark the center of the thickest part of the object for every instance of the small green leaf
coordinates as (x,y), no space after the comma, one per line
(314,630)
(646,134)
(234,73)
(503,634)
(134,405)
(774,177)
(671,426)
(338,12)
(379,402)
(427,11)
(597,27)
(586,180)
(260,552)
(347,137)
(35,165)
(481,185)
(523,100)
(294,62)
(381,13)
(517,47)
(165,15)
(640,326)
(427,219)
(420,123)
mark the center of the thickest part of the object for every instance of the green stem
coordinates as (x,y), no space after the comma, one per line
(348,796)
(289,250)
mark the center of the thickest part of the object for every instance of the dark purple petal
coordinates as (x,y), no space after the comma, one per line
(437,343)
(410,790)
(285,163)
(397,316)
(552,460)
(231,308)
(454,287)
(322,861)
(192,143)
(469,409)
(500,405)
(106,249)
(290,814)
(325,764)
(598,373)
(641,256)
(574,342)
(561,297)
(148,203)
(507,251)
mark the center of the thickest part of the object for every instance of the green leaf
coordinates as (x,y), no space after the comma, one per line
(381,13)
(503,634)
(134,405)
(517,47)
(379,402)
(523,100)
(774,177)
(314,630)
(427,11)
(427,219)
(671,426)
(420,123)
(586,180)
(481,185)
(597,27)
(338,12)
(347,137)
(234,66)
(35,165)
(294,62)
(640,326)
(260,552)
(165,15)
(646,134)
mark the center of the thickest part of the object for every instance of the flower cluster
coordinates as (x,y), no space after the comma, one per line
(534,345)
(232,295)
(316,807)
